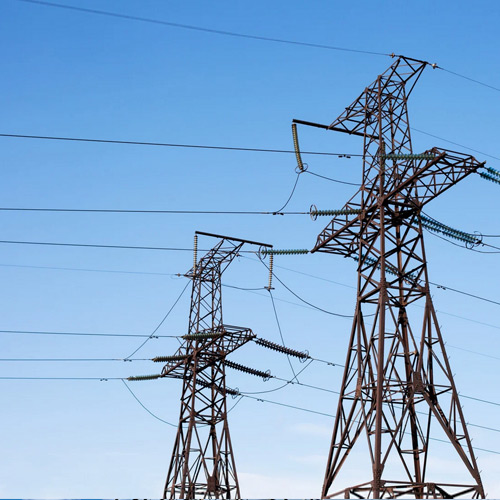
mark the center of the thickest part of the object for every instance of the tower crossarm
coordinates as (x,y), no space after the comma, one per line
(420,181)
(398,81)
(341,236)
(207,347)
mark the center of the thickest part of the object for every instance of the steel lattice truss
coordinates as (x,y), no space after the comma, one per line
(202,463)
(397,379)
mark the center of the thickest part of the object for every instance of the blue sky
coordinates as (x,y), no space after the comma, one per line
(73,74)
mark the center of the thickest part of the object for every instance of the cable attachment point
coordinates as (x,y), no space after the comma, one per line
(262,253)
(313,212)
(304,168)
(476,243)
(306,356)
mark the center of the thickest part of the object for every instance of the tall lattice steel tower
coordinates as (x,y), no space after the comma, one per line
(397,379)
(202,464)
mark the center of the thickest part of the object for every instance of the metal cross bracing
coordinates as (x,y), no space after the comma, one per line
(398,363)
(202,464)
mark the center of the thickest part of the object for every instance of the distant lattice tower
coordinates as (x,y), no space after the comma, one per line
(397,378)
(202,464)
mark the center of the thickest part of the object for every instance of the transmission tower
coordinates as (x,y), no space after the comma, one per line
(397,378)
(202,463)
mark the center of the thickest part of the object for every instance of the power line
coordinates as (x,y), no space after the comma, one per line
(291,194)
(160,323)
(438,285)
(131,335)
(251,290)
(473,352)
(305,301)
(56,268)
(333,180)
(86,245)
(201,28)
(173,145)
(71,360)
(455,143)
(244,289)
(131,211)
(480,400)
(497,327)
(246,395)
(262,288)
(465,246)
(324,279)
(295,381)
(229,148)
(95,245)
(333,416)
(147,409)
(101,379)
(281,333)
(287,382)
(468,78)
(443,287)
(236,34)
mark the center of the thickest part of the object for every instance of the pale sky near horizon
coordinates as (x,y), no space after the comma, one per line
(76,74)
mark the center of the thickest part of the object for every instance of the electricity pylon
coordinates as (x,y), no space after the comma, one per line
(397,378)
(202,463)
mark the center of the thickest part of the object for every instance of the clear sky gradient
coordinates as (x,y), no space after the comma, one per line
(75,74)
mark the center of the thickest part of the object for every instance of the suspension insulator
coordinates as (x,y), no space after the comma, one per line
(251,371)
(202,336)
(493,172)
(300,165)
(438,227)
(233,392)
(489,177)
(279,348)
(271,263)
(370,261)
(195,253)
(205,384)
(143,377)
(423,156)
(342,211)
(227,390)
(300,251)
(166,359)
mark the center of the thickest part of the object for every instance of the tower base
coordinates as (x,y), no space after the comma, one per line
(400,489)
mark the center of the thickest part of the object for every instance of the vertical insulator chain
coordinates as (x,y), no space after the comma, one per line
(195,253)
(300,164)
(271,262)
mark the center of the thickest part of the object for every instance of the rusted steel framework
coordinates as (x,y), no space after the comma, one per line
(202,464)
(397,379)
